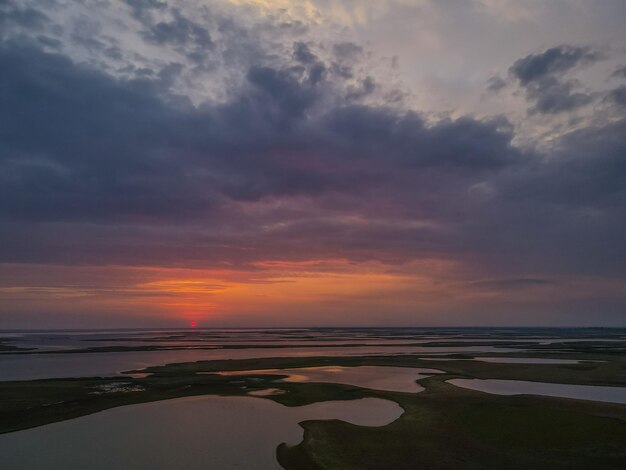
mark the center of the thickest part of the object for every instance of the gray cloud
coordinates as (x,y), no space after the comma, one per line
(347,51)
(302,53)
(553,96)
(25,17)
(619,72)
(618,95)
(555,60)
(142,8)
(180,31)
(299,158)
(541,75)
(496,83)
(121,151)
(90,142)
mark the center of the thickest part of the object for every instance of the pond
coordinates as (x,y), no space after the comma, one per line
(43,366)
(521,387)
(393,379)
(208,432)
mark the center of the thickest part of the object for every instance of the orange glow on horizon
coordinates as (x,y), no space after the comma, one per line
(286,292)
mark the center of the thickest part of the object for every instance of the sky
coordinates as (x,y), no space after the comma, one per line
(282,163)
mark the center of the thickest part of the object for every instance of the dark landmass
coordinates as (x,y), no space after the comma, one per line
(446,427)
(106,349)
(443,427)
(580,346)
(11,348)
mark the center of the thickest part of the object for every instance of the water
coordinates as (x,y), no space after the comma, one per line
(393,379)
(213,432)
(520,387)
(509,360)
(210,432)
(42,366)
(286,343)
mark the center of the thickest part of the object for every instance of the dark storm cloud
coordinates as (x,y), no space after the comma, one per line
(316,68)
(496,83)
(619,72)
(555,60)
(302,53)
(567,204)
(180,31)
(364,88)
(618,95)
(141,8)
(347,51)
(554,96)
(294,163)
(95,147)
(285,96)
(404,139)
(76,142)
(48,41)
(25,17)
(586,170)
(541,75)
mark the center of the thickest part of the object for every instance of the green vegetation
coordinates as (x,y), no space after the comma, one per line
(444,427)
(26,404)
(609,370)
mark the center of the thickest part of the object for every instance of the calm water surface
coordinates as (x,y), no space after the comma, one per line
(509,360)
(43,366)
(204,433)
(520,387)
(297,342)
(394,379)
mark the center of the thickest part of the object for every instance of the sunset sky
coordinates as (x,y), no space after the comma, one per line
(312,163)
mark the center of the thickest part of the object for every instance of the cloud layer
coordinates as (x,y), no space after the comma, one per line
(244,147)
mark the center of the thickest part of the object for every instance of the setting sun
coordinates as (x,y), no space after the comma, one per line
(293,234)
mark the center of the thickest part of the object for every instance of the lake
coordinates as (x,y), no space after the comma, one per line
(393,379)
(521,387)
(203,433)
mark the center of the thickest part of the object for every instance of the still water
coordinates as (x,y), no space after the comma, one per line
(208,433)
(42,366)
(521,387)
(393,379)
